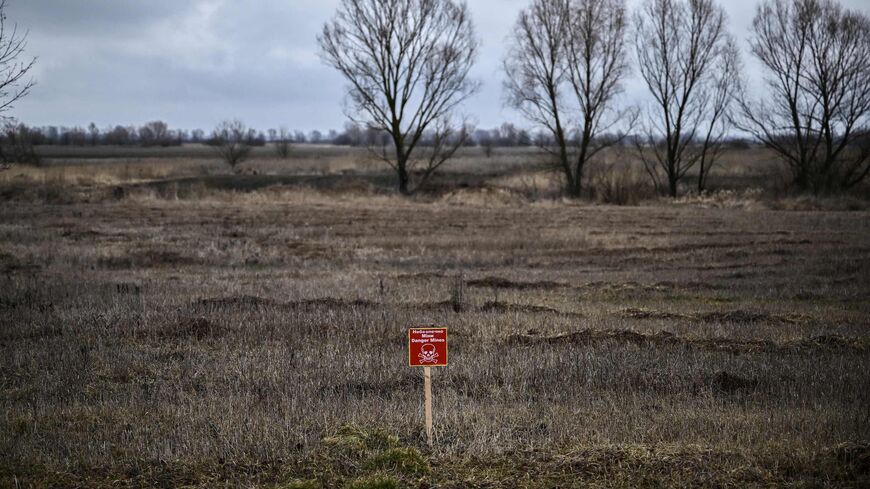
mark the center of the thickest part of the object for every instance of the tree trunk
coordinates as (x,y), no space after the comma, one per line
(575,182)
(402,166)
(403,177)
(575,189)
(702,184)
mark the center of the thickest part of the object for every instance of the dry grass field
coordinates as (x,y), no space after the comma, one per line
(166,323)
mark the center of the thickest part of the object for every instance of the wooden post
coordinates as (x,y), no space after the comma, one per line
(427,397)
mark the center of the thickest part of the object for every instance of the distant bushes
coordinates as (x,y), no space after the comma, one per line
(16,145)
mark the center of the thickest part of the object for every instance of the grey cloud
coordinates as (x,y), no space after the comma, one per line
(92,17)
(195,62)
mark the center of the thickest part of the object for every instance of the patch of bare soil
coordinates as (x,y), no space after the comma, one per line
(330,302)
(591,337)
(503,283)
(421,275)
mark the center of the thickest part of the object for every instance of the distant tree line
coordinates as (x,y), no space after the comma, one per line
(159,133)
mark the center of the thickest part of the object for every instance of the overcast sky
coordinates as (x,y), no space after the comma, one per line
(195,62)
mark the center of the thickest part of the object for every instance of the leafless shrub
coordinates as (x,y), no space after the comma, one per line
(407,64)
(232,140)
(816,116)
(283,145)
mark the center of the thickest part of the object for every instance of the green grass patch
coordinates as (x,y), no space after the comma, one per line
(377,481)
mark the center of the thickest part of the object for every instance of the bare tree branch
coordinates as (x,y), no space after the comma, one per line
(232,141)
(283,144)
(14,84)
(817,113)
(565,68)
(689,63)
(407,64)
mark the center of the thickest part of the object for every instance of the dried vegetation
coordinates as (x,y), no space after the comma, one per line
(243,340)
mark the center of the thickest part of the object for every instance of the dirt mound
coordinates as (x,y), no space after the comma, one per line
(855,454)
(331,302)
(420,276)
(835,342)
(127,288)
(635,313)
(726,383)
(187,328)
(503,283)
(241,302)
(504,307)
(735,316)
(741,316)
(590,337)
(253,302)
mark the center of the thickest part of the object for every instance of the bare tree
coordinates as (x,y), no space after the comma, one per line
(282,143)
(537,71)
(13,71)
(232,140)
(565,67)
(94,134)
(487,143)
(597,65)
(407,64)
(690,64)
(155,133)
(723,96)
(816,114)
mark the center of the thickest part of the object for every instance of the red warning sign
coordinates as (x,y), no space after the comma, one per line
(427,347)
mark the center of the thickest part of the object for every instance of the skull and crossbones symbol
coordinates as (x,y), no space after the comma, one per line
(428,354)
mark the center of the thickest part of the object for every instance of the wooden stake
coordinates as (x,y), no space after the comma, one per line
(427,398)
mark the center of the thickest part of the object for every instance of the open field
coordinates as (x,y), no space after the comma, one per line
(196,328)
